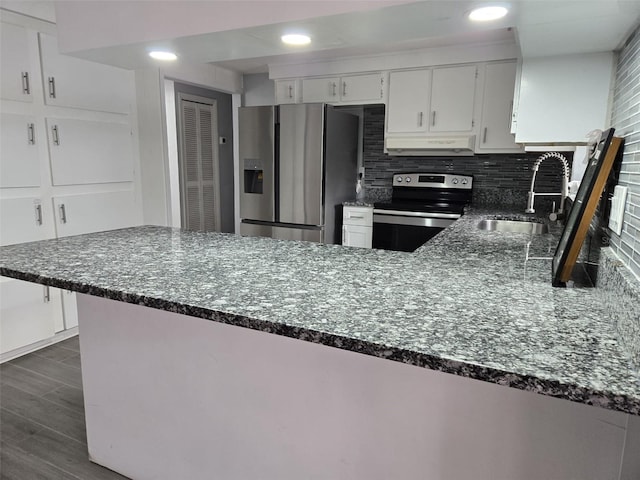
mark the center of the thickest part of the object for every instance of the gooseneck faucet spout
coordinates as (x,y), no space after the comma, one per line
(565,181)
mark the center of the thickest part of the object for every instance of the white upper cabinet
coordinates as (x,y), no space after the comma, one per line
(85,151)
(408,106)
(452,99)
(72,82)
(432,101)
(19,141)
(320,90)
(497,106)
(361,88)
(16,77)
(563,98)
(287,91)
(365,88)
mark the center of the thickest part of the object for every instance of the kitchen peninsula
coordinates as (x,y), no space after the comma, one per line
(353,363)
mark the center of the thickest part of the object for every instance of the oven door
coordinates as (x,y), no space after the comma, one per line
(406,231)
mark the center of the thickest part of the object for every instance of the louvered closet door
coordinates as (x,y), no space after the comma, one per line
(200,191)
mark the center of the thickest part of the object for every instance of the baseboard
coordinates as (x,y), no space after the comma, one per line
(58,337)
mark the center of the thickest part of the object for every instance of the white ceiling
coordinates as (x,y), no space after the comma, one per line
(541,27)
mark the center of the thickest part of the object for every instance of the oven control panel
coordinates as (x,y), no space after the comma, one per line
(432,180)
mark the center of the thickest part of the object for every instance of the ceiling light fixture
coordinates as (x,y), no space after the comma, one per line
(160,55)
(484,14)
(296,39)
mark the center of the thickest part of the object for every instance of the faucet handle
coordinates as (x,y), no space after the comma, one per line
(530,199)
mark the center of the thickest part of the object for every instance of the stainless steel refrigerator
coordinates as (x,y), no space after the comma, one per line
(297,166)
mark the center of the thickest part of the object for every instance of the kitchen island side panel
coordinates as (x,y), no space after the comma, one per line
(172,396)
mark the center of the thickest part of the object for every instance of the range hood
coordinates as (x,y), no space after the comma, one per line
(430,146)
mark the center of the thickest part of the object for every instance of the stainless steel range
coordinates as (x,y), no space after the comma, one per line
(422,205)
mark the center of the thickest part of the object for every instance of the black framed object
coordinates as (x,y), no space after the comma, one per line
(584,206)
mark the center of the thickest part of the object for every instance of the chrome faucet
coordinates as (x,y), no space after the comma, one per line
(565,182)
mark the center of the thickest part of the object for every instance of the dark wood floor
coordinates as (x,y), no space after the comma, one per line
(42,429)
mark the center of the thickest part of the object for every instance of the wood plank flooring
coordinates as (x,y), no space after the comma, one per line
(42,427)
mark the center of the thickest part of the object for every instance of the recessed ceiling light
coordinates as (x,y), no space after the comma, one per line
(160,55)
(296,39)
(484,14)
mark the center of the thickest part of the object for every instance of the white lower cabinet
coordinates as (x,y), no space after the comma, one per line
(24,219)
(29,313)
(94,212)
(357,226)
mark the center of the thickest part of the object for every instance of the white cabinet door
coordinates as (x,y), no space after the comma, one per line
(24,219)
(28,313)
(361,88)
(19,141)
(408,104)
(320,90)
(16,78)
(452,99)
(497,105)
(95,212)
(72,82)
(286,91)
(562,98)
(69,309)
(85,151)
(357,236)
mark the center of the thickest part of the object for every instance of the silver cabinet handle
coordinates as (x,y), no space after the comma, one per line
(46,295)
(290,91)
(484,135)
(26,88)
(356,216)
(55,135)
(344,89)
(63,213)
(344,231)
(31,134)
(38,209)
(420,117)
(52,87)
(333,86)
(433,118)
(512,116)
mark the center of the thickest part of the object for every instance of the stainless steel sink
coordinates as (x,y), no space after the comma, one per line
(513,226)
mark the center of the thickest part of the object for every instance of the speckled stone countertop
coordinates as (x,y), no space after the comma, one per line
(471,303)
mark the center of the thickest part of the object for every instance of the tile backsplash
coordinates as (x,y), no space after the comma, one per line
(626,120)
(499,179)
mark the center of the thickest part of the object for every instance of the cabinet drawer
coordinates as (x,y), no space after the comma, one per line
(357,216)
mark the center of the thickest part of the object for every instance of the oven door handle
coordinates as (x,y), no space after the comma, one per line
(430,222)
(401,213)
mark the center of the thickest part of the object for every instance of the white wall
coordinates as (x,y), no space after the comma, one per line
(157,158)
(258,90)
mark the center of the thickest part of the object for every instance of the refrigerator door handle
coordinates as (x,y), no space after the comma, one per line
(276,166)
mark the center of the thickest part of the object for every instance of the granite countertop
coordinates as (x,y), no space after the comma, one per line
(469,302)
